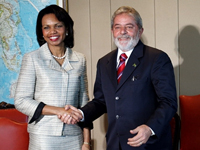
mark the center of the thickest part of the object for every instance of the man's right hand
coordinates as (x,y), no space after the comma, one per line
(72,116)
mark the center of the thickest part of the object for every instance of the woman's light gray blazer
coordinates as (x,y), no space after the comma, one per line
(42,79)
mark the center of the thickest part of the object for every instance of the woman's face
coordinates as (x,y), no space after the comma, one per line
(54,31)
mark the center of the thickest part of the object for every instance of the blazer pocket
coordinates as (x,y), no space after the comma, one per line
(71,130)
(139,84)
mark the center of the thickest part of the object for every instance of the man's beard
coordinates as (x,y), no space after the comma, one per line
(129,44)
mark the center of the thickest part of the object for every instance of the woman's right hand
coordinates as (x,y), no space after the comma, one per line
(71,116)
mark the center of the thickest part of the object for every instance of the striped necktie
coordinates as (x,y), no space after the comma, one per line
(121,66)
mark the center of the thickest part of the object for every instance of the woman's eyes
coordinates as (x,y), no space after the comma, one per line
(56,27)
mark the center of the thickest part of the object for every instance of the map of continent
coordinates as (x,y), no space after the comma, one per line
(17,37)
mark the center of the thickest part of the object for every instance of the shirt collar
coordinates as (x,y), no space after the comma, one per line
(128,54)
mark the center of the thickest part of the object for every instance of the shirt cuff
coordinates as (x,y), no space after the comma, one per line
(83,119)
(152,132)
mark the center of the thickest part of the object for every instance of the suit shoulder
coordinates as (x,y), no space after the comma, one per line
(156,54)
(153,51)
(109,55)
(32,53)
(78,54)
(44,47)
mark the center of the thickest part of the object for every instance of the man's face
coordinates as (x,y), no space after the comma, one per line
(126,32)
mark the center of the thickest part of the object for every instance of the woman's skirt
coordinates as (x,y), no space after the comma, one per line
(46,142)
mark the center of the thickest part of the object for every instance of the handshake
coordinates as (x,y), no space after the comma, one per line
(70,114)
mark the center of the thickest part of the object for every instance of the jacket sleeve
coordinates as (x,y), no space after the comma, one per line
(97,107)
(83,96)
(162,76)
(24,94)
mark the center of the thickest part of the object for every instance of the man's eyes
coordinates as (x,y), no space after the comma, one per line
(128,27)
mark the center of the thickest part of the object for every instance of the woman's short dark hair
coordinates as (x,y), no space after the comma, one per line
(62,16)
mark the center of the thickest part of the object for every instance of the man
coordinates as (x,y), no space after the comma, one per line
(141,99)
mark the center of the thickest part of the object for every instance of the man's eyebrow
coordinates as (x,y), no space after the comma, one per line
(125,24)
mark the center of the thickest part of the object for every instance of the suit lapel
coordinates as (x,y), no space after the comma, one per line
(111,68)
(45,55)
(71,57)
(53,64)
(132,64)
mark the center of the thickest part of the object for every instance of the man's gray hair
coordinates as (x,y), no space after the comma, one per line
(128,10)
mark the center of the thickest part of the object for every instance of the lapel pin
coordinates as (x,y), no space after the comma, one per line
(134,65)
(134,78)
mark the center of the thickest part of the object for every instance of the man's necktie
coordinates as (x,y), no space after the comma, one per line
(121,66)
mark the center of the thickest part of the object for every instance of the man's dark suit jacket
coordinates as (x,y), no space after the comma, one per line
(146,94)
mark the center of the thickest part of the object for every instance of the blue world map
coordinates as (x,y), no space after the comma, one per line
(17,37)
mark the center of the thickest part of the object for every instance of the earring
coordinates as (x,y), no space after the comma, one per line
(66,34)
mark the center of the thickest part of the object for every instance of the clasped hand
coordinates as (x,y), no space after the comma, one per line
(71,115)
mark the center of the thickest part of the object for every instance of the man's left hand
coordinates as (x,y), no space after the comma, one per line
(142,132)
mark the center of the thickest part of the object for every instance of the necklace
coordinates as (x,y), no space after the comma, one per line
(60,57)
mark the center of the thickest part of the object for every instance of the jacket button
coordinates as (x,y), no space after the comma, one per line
(117,98)
(117,116)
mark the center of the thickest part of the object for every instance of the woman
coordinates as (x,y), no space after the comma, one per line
(50,78)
